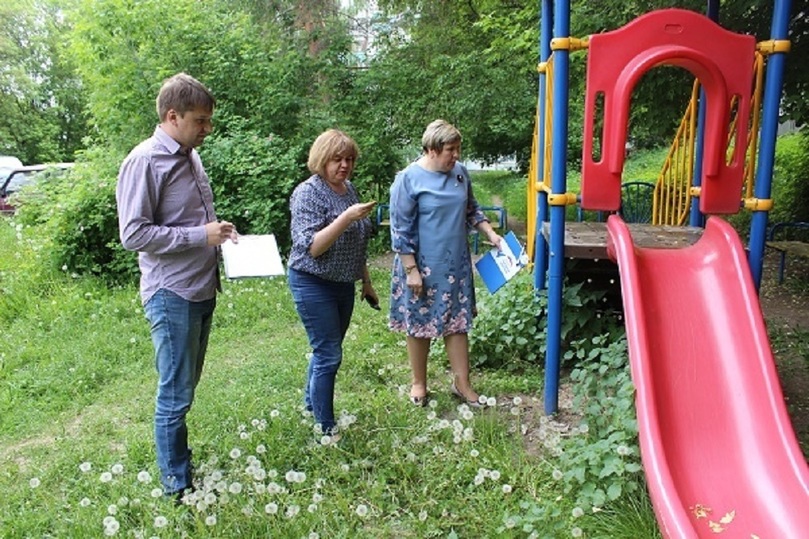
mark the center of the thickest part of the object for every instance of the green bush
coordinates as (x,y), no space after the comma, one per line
(76,217)
(790,190)
(601,461)
(252,177)
(510,331)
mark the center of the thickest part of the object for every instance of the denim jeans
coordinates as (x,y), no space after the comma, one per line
(325,309)
(180,330)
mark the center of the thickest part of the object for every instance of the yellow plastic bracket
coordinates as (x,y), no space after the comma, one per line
(758,204)
(695,191)
(773,46)
(561,199)
(569,43)
(542,67)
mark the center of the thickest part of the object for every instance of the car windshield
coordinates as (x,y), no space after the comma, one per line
(19,179)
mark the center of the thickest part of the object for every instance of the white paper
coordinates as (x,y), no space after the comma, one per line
(253,256)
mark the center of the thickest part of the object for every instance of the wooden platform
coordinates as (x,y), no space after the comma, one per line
(589,239)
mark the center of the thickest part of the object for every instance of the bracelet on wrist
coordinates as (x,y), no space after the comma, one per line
(409,268)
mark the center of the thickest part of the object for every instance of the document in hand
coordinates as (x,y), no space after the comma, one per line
(498,266)
(252,256)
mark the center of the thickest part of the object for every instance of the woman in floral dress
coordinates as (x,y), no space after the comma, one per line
(432,209)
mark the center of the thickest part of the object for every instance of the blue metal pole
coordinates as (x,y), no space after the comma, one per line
(540,245)
(695,216)
(773,84)
(561,75)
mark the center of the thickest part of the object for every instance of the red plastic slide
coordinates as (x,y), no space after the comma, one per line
(718,448)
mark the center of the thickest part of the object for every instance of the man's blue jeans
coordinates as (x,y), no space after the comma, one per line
(180,330)
(325,309)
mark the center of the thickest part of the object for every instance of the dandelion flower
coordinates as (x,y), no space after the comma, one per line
(577,512)
(491,402)
(517,401)
(34,482)
(275,413)
(514,410)
(271,508)
(112,509)
(422,515)
(290,476)
(235,487)
(474,453)
(557,475)
(85,502)
(576,532)
(160,521)
(111,528)
(261,449)
(312,507)
(292,511)
(362,510)
(156,493)
(506,488)
(85,467)
(235,453)
(144,476)
(495,475)
(210,520)
(108,520)
(479,479)
(105,477)
(117,469)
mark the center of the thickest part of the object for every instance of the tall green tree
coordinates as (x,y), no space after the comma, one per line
(41,101)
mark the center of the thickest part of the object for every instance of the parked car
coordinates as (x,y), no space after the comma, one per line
(7,164)
(22,176)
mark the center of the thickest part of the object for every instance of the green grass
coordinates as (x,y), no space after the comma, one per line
(77,389)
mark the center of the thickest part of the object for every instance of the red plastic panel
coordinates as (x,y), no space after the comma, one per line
(723,62)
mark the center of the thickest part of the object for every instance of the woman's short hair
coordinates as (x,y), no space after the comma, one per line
(438,134)
(182,93)
(327,146)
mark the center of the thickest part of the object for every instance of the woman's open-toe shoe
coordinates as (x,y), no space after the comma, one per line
(421,402)
(469,402)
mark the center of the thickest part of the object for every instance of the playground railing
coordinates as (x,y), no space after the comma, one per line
(793,239)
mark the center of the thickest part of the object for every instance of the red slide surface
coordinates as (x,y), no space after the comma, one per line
(718,448)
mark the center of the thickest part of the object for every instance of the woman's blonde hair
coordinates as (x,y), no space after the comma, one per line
(328,145)
(438,134)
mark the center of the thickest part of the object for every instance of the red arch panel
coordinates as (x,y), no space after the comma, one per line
(723,62)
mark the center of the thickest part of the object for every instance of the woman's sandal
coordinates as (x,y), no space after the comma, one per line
(421,402)
(462,397)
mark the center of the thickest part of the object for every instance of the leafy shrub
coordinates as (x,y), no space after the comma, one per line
(510,331)
(76,215)
(601,461)
(252,177)
(790,190)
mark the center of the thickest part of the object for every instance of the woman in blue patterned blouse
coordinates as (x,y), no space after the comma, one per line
(432,294)
(330,232)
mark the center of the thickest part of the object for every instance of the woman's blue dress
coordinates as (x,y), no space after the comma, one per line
(431,214)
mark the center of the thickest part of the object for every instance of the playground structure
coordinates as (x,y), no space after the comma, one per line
(717,444)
